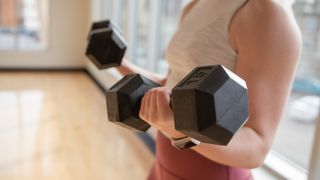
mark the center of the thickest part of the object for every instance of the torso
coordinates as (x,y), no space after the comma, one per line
(202,39)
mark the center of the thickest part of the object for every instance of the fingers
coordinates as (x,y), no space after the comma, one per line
(155,103)
(163,101)
(148,105)
(143,113)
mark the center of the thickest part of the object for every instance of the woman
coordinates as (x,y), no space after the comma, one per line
(257,39)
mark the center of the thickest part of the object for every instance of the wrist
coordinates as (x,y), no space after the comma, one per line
(172,134)
(125,62)
(175,134)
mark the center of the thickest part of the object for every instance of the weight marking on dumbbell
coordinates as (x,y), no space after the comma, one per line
(196,76)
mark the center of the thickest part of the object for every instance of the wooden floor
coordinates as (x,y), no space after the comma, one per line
(54,126)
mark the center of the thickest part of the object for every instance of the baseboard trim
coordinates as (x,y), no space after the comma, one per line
(97,83)
(4,69)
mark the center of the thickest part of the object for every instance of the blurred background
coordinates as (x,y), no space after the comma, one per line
(52,109)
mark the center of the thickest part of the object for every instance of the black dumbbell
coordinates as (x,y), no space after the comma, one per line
(124,99)
(209,104)
(106,47)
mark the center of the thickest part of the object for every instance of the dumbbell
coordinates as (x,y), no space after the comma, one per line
(106,47)
(124,100)
(210,104)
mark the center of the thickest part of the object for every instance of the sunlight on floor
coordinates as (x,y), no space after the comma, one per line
(54,126)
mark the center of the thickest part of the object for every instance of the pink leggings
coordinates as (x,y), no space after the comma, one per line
(172,164)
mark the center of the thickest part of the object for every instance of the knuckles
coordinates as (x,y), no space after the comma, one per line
(157,96)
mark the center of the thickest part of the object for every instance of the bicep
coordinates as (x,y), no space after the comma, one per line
(267,59)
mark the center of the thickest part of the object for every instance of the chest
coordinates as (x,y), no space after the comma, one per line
(202,37)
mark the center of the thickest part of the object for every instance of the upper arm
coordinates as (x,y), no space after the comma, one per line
(268,42)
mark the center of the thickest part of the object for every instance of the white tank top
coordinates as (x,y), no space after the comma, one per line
(202,39)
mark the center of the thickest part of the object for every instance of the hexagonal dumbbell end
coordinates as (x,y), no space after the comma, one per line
(106,47)
(210,104)
(124,99)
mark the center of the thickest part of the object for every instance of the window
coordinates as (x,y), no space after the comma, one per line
(140,39)
(22,24)
(169,20)
(147,26)
(294,139)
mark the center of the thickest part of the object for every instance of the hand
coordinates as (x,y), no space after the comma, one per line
(155,110)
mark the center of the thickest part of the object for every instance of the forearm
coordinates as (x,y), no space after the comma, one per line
(129,68)
(246,150)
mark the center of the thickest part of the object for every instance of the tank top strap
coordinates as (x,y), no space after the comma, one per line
(233,7)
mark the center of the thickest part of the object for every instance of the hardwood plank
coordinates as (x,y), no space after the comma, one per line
(54,126)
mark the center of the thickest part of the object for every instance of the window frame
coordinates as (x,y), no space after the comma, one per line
(314,168)
(279,166)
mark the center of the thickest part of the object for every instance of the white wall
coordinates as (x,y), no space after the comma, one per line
(67,32)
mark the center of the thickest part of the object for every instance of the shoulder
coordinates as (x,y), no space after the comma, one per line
(186,9)
(266,23)
(265,12)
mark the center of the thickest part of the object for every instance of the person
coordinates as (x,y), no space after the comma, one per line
(257,39)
